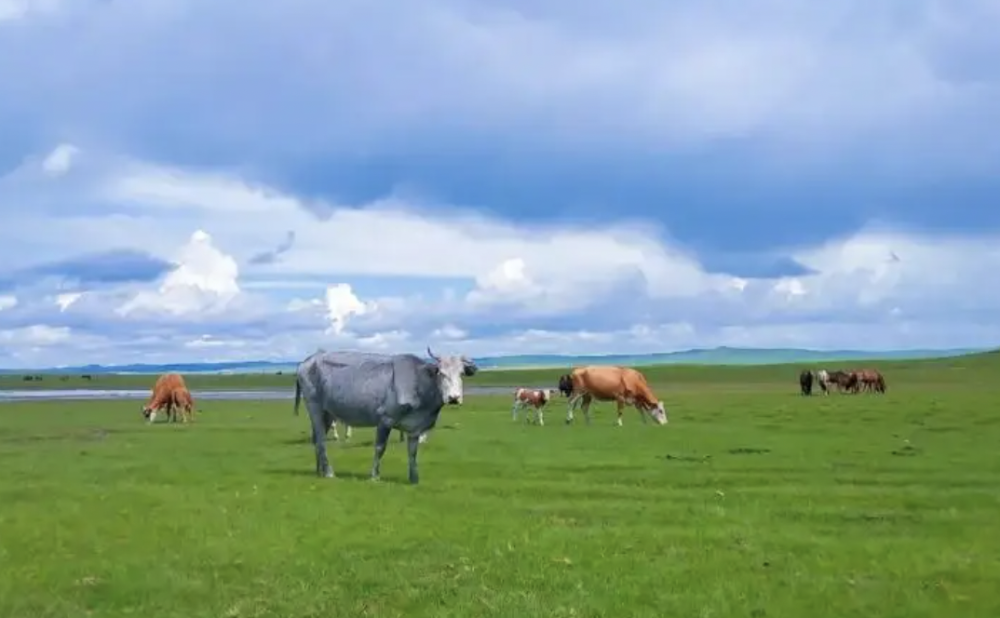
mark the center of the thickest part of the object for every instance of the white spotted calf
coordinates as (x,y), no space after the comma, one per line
(534,399)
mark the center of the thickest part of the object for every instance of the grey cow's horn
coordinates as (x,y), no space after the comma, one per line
(431,354)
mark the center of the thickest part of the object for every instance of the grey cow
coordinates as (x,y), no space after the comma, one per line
(400,391)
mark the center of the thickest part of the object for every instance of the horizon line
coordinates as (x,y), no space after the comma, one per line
(841,352)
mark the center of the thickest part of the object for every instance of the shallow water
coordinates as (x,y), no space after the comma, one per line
(99,394)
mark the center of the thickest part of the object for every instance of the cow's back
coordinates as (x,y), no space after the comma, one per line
(168,382)
(636,387)
(163,387)
(634,381)
(354,393)
(598,380)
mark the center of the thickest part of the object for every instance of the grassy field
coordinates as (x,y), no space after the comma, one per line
(752,502)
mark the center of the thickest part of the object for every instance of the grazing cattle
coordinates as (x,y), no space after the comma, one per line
(534,399)
(806,382)
(400,391)
(566,385)
(161,396)
(181,399)
(622,385)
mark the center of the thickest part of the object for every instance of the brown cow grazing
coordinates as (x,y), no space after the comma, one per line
(622,385)
(161,396)
(534,399)
(181,399)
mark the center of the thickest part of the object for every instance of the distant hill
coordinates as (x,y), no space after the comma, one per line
(714,356)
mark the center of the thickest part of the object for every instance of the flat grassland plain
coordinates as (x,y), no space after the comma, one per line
(754,501)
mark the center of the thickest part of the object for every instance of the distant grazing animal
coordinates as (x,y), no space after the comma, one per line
(401,391)
(181,399)
(566,385)
(845,381)
(806,382)
(534,399)
(869,380)
(622,385)
(823,379)
(161,396)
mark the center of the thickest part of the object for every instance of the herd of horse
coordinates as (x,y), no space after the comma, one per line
(853,381)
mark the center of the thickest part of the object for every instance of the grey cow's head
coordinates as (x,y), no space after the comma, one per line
(450,371)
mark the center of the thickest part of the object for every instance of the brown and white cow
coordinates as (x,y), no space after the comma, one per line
(622,385)
(533,399)
(162,396)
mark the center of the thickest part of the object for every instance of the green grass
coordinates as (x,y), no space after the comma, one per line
(753,502)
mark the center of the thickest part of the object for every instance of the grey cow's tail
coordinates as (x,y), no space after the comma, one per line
(298,395)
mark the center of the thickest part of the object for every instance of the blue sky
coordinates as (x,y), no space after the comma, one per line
(188,180)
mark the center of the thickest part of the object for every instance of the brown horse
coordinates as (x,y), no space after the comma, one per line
(870,380)
(845,381)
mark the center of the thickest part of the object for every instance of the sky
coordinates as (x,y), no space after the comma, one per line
(211,181)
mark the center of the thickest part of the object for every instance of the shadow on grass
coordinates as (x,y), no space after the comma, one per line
(341,475)
(744,450)
(694,458)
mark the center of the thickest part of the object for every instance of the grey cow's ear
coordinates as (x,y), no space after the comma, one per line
(470,369)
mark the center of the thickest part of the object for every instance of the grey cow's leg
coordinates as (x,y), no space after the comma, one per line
(412,445)
(320,423)
(381,442)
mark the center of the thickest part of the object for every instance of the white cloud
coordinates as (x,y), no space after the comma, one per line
(7,302)
(544,269)
(449,331)
(60,160)
(341,304)
(203,281)
(507,282)
(619,276)
(35,335)
(65,301)
(388,340)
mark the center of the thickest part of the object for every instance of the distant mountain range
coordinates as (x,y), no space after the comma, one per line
(715,356)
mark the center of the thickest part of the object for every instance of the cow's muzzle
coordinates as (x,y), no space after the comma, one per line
(454,401)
